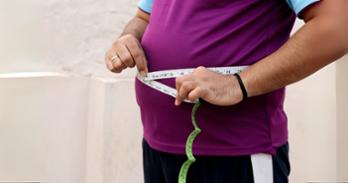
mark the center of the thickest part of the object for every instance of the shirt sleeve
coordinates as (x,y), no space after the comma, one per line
(146,5)
(298,5)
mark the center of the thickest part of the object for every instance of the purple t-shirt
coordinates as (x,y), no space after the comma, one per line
(214,33)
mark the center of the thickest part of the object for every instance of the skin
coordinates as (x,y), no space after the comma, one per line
(321,41)
(127,47)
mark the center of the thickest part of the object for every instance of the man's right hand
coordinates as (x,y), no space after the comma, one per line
(126,52)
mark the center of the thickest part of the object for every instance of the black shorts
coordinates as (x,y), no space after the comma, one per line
(160,167)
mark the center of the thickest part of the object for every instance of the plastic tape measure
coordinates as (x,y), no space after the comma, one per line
(149,80)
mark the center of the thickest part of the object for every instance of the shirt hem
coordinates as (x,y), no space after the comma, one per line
(208,151)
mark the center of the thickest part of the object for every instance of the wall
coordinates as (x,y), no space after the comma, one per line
(311,108)
(42,128)
(342,119)
(73,126)
(60,35)
(58,127)
(114,132)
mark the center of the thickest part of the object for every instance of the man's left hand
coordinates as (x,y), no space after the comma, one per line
(215,88)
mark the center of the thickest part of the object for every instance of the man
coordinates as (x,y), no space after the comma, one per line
(241,115)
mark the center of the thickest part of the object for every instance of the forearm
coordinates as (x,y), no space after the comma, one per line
(136,26)
(314,46)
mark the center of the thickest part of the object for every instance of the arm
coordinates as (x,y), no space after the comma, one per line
(322,40)
(126,51)
(137,25)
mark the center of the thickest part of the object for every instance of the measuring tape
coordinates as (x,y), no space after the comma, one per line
(149,80)
(262,163)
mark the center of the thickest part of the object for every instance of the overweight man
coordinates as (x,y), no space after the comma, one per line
(240,114)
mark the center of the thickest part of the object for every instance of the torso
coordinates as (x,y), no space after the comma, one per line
(188,34)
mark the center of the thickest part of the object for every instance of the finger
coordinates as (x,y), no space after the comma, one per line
(138,56)
(113,64)
(199,69)
(125,56)
(184,90)
(196,94)
(178,100)
(118,65)
(178,83)
(180,80)
(108,61)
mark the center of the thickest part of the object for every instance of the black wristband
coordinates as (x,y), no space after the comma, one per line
(242,87)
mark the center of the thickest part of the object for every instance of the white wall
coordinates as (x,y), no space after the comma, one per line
(60,35)
(64,128)
(42,128)
(342,119)
(114,132)
(311,108)
(74,126)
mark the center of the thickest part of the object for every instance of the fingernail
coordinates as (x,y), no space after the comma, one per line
(176,102)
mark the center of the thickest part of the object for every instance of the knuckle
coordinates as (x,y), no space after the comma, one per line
(185,86)
(122,39)
(131,64)
(124,61)
(126,38)
(200,68)
(179,80)
(117,65)
(181,94)
(116,44)
(127,61)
